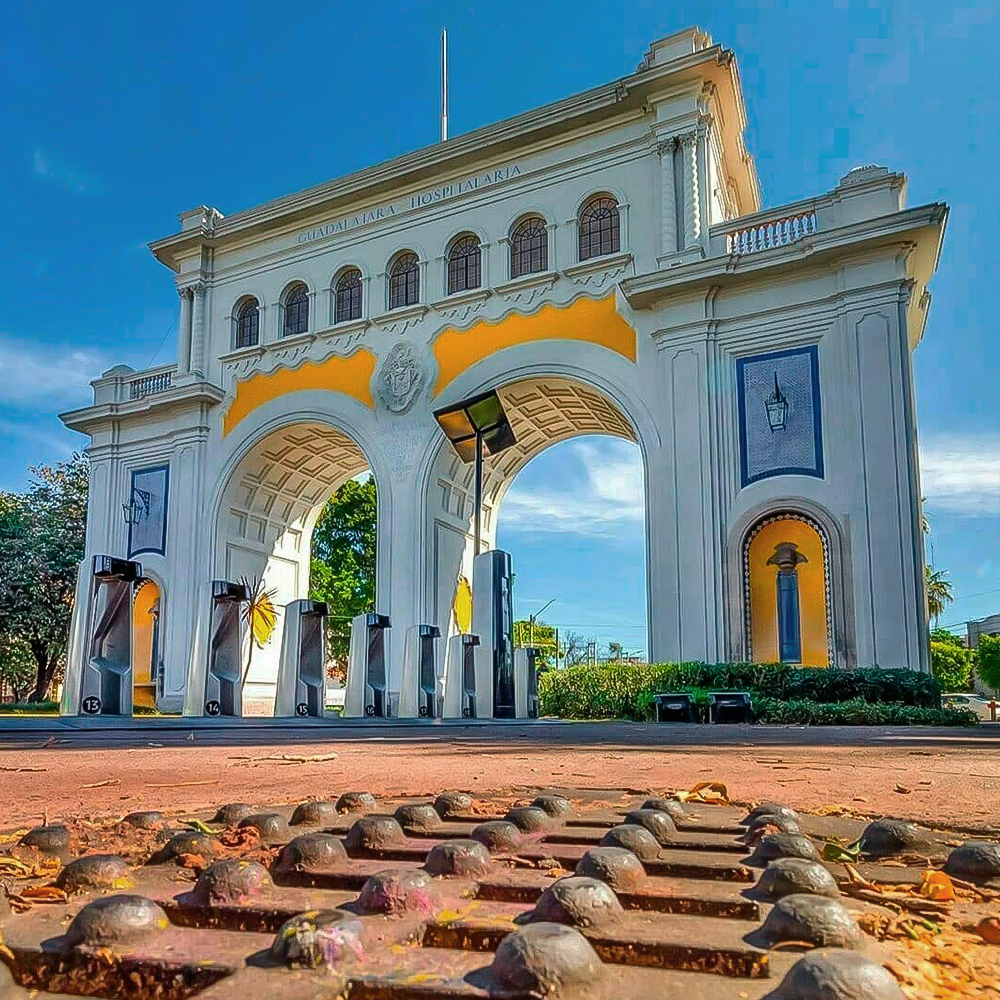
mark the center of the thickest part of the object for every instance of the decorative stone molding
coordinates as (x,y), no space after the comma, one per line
(400,378)
(598,272)
(460,306)
(398,321)
(526,290)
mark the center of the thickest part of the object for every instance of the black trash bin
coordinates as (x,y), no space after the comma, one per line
(729,706)
(674,707)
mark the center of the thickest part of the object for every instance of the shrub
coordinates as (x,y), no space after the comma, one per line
(626,690)
(952,665)
(857,713)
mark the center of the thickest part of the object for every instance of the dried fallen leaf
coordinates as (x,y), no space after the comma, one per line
(44,894)
(937,886)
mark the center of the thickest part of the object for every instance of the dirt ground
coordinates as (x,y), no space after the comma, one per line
(941,777)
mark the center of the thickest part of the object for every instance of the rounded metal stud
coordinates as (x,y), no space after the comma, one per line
(373,833)
(399,891)
(310,939)
(789,876)
(354,802)
(658,823)
(578,902)
(231,813)
(835,974)
(186,842)
(816,919)
(96,871)
(231,881)
(421,816)
(311,852)
(313,814)
(121,919)
(272,827)
(783,845)
(451,804)
(52,839)
(458,857)
(546,960)
(621,869)
(636,839)
(975,861)
(498,836)
(556,806)
(884,837)
(529,819)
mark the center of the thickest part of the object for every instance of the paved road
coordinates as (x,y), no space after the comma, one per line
(17,733)
(53,769)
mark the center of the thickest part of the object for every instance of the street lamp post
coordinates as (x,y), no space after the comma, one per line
(476,423)
(531,624)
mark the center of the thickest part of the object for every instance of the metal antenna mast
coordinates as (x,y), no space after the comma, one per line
(444,84)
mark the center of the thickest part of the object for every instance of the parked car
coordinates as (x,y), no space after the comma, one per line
(973,702)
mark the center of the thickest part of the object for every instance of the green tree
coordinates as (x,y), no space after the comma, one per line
(951,664)
(42,535)
(943,635)
(343,563)
(939,593)
(17,668)
(542,637)
(989,660)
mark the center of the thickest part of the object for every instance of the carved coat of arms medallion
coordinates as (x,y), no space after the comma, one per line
(400,378)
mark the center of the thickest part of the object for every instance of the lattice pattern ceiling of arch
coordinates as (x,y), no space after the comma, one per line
(286,477)
(542,411)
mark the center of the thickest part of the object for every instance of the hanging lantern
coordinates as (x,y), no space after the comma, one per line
(776,406)
(137,507)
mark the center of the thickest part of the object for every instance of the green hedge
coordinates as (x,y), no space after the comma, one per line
(626,690)
(857,712)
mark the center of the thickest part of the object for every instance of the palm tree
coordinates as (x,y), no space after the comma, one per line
(938,592)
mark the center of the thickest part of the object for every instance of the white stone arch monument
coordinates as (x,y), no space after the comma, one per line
(760,358)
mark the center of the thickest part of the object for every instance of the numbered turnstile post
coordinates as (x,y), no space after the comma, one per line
(461,697)
(103,681)
(493,622)
(224,679)
(367,692)
(418,695)
(526,682)
(302,671)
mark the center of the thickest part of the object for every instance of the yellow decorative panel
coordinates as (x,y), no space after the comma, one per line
(812,592)
(462,605)
(350,375)
(145,608)
(595,321)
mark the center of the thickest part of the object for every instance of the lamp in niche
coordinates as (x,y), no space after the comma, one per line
(786,557)
(776,406)
(137,507)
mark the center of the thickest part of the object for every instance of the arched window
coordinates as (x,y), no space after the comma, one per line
(529,247)
(600,227)
(247,323)
(296,310)
(404,281)
(465,269)
(348,296)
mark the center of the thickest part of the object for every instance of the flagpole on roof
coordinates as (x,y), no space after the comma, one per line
(444,84)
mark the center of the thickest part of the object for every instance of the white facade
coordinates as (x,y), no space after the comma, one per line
(641,342)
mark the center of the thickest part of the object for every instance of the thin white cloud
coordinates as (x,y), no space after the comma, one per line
(960,474)
(46,375)
(62,446)
(52,168)
(607,495)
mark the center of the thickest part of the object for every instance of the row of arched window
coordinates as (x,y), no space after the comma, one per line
(599,234)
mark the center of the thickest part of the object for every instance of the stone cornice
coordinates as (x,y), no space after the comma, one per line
(923,226)
(182,397)
(432,162)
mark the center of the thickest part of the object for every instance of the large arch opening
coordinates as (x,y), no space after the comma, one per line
(271,505)
(563,418)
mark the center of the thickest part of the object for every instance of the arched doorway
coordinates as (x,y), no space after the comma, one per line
(270,506)
(786,583)
(543,411)
(146,653)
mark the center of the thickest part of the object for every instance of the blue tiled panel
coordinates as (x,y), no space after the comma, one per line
(798,448)
(150,534)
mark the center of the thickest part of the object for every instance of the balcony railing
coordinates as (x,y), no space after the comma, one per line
(772,233)
(147,385)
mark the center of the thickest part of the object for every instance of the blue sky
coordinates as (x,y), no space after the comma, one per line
(117,116)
